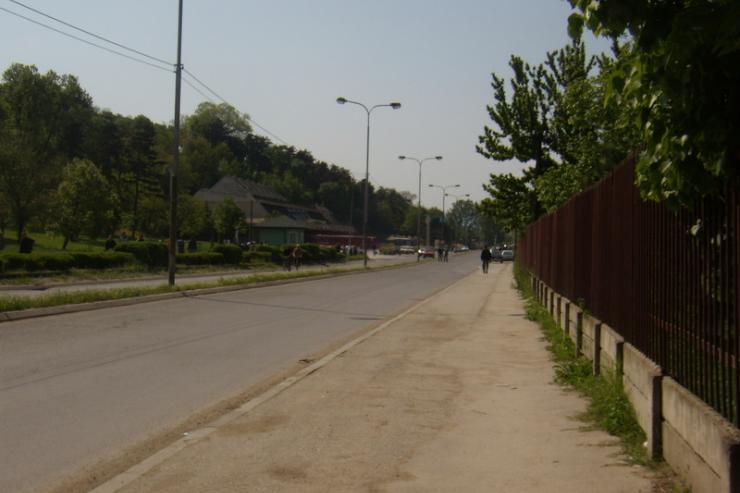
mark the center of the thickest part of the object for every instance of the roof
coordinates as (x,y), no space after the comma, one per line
(268,209)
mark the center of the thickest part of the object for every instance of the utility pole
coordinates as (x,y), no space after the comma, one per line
(176,160)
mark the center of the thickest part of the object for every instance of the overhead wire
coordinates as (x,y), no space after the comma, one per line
(159,60)
(250,119)
(90,33)
(84,40)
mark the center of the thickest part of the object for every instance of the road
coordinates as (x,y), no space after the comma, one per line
(76,390)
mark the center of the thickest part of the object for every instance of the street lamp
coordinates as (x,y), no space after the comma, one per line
(467,195)
(444,194)
(395,106)
(418,220)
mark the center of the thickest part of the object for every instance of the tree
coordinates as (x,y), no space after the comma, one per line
(85,203)
(510,202)
(678,74)
(192,216)
(465,222)
(153,216)
(227,218)
(533,124)
(40,120)
(144,170)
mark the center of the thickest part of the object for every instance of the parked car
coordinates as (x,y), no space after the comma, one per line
(406,250)
(426,252)
(507,254)
(496,255)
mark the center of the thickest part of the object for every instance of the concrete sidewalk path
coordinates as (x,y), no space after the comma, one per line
(457,395)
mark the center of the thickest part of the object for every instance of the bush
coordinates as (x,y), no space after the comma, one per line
(200,258)
(62,261)
(149,253)
(257,257)
(232,253)
(103,260)
(276,253)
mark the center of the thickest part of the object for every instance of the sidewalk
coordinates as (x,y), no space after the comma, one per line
(454,396)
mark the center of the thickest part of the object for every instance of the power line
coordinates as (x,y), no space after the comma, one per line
(195,88)
(84,40)
(91,34)
(250,119)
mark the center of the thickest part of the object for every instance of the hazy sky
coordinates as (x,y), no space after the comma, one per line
(284,62)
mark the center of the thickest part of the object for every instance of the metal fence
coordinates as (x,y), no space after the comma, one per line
(639,269)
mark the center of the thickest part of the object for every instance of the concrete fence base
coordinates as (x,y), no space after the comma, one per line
(696,441)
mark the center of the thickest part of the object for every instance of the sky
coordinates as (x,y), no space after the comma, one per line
(285,62)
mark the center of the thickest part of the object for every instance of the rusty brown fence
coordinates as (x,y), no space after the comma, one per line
(638,268)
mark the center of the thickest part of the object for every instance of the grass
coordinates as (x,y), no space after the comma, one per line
(13,303)
(608,408)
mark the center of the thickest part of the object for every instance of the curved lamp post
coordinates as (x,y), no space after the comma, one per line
(444,194)
(418,220)
(395,106)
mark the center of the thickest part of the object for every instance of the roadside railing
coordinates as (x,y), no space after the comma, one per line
(666,281)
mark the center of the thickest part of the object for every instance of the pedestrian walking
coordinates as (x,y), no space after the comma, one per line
(296,256)
(447,253)
(485,258)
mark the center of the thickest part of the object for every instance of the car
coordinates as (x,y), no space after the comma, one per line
(426,252)
(507,254)
(496,255)
(406,250)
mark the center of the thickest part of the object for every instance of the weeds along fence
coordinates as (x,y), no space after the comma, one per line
(638,268)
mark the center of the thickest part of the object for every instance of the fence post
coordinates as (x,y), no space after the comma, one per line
(579,333)
(559,310)
(566,329)
(597,349)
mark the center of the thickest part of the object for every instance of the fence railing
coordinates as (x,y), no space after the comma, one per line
(638,267)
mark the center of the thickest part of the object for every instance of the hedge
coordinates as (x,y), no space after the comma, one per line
(232,254)
(62,261)
(149,253)
(259,257)
(200,258)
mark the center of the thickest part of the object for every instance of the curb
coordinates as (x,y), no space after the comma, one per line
(12,316)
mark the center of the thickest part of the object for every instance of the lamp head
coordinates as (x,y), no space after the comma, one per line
(401,157)
(438,158)
(395,105)
(341,100)
(457,186)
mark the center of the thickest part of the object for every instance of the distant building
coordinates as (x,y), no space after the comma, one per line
(269,215)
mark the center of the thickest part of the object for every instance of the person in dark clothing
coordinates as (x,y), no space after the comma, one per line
(485,258)
(110,243)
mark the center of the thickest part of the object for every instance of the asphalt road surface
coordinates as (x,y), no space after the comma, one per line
(78,389)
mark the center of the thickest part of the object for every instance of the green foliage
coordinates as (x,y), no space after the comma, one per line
(510,203)
(232,254)
(151,254)
(42,117)
(556,118)
(678,75)
(193,216)
(257,257)
(62,261)
(227,218)
(201,258)
(85,203)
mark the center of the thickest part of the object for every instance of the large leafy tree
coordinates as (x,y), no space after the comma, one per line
(85,204)
(227,218)
(41,121)
(680,76)
(510,202)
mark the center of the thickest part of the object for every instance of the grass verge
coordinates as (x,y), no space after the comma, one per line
(608,407)
(14,303)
